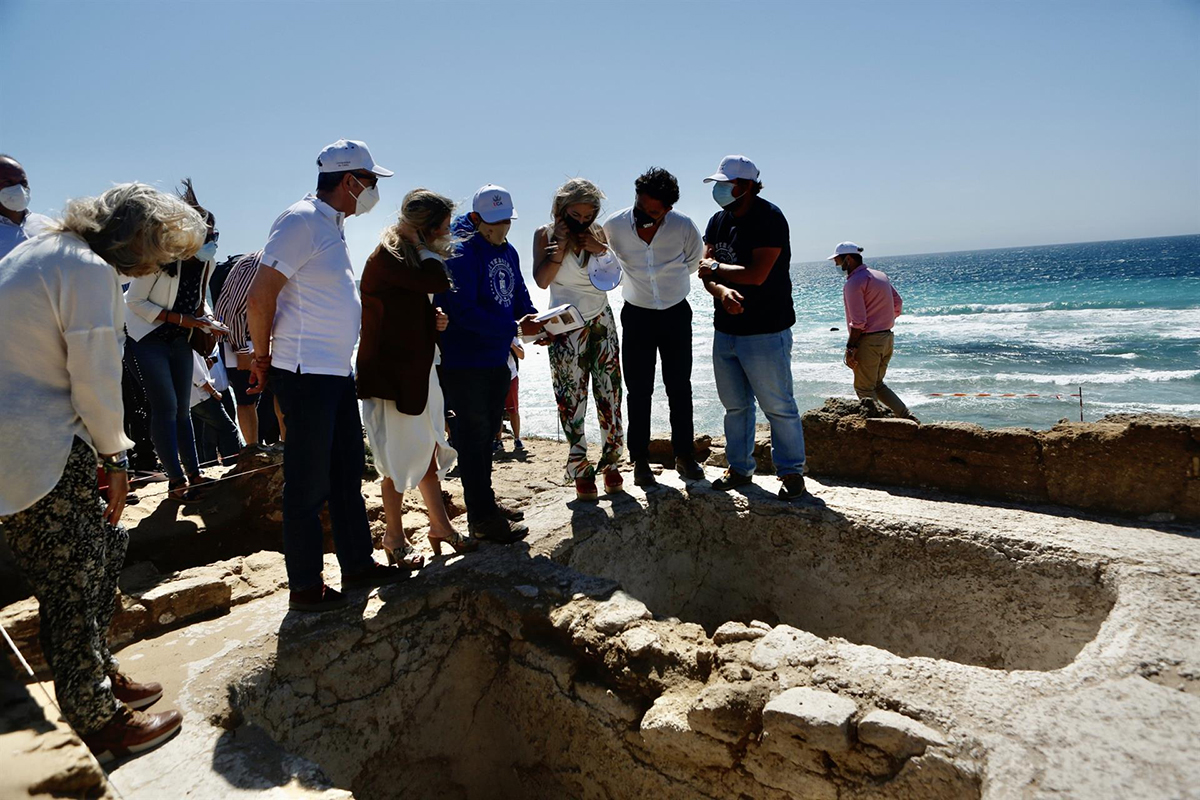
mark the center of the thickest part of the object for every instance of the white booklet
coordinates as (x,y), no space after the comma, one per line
(559,319)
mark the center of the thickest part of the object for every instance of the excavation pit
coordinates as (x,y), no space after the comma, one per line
(915,590)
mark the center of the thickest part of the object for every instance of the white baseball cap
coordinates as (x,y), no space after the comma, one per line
(494,204)
(844,249)
(732,168)
(345,155)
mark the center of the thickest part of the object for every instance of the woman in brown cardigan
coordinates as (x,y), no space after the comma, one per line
(403,409)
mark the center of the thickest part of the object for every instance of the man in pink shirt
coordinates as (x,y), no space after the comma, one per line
(872,305)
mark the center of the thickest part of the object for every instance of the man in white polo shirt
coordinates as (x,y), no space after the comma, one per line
(304,315)
(17,222)
(659,250)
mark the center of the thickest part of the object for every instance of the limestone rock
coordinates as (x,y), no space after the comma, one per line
(786,646)
(619,612)
(820,719)
(901,736)
(729,712)
(187,599)
(737,632)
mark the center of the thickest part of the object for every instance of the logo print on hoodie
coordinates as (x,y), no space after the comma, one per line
(503,280)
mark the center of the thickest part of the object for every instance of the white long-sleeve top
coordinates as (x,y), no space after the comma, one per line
(61,337)
(657,275)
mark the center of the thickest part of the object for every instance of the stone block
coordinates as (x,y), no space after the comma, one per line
(619,612)
(661,451)
(190,598)
(896,734)
(665,731)
(731,632)
(728,712)
(892,428)
(786,646)
(820,719)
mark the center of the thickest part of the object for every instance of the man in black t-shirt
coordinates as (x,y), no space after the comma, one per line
(745,268)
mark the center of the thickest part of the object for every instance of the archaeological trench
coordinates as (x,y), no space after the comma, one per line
(955,613)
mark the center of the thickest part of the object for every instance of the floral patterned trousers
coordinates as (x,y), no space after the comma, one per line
(72,558)
(589,354)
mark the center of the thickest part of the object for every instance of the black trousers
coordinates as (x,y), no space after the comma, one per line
(646,334)
(477,397)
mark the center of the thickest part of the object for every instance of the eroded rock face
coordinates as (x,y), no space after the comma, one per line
(458,685)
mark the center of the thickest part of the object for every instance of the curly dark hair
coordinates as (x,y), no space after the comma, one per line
(659,184)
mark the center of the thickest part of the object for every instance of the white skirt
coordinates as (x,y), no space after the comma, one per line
(404,444)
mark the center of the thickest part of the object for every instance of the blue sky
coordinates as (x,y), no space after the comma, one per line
(906,126)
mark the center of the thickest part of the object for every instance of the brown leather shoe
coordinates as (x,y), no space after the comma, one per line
(318,598)
(497,529)
(135,695)
(130,732)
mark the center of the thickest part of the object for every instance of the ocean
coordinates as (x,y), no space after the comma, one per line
(1119,320)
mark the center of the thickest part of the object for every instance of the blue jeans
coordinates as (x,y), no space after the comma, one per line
(323,461)
(215,431)
(166,369)
(758,367)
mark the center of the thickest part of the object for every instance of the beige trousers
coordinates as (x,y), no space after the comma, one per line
(874,353)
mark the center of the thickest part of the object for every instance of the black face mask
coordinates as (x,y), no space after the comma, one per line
(575,226)
(642,219)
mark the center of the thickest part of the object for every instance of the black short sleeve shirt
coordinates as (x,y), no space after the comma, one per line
(768,307)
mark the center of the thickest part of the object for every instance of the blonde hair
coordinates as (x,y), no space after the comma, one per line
(135,227)
(421,213)
(577,190)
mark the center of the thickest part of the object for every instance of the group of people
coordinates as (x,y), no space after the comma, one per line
(425,345)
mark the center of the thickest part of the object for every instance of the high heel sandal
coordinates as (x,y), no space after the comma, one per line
(408,558)
(460,543)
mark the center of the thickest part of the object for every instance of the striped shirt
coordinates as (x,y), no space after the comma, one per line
(230,307)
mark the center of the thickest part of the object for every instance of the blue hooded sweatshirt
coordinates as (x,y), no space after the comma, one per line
(488,297)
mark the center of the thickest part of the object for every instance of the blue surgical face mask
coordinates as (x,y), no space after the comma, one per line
(723,194)
(208,252)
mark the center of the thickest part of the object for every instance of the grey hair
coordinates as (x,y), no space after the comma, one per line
(135,227)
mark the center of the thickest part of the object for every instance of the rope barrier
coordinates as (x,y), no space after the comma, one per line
(997,394)
(215,480)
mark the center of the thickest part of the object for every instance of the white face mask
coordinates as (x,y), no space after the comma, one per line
(366,199)
(15,198)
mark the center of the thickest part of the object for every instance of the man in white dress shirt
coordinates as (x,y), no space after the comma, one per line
(659,250)
(17,222)
(304,318)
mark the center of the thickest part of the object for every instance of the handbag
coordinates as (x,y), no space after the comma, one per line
(202,341)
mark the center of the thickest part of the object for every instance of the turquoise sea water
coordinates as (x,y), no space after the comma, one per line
(1121,319)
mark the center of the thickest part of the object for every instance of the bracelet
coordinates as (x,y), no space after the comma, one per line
(112,465)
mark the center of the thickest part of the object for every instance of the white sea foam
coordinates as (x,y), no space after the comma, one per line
(1130,376)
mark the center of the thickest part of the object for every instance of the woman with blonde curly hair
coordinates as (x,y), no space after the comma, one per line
(563,251)
(403,408)
(61,322)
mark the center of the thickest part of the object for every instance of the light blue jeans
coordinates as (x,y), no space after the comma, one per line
(758,367)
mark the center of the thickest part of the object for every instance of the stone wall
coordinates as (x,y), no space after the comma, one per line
(1147,465)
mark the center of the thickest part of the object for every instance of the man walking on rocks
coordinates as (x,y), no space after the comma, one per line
(872,305)
(746,269)
(304,317)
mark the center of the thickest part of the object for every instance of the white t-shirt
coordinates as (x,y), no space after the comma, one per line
(318,312)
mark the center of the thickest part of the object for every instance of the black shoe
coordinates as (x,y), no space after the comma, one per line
(792,488)
(688,469)
(510,512)
(731,480)
(318,598)
(375,575)
(498,529)
(642,474)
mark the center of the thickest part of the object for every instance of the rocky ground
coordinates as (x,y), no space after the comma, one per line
(676,642)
